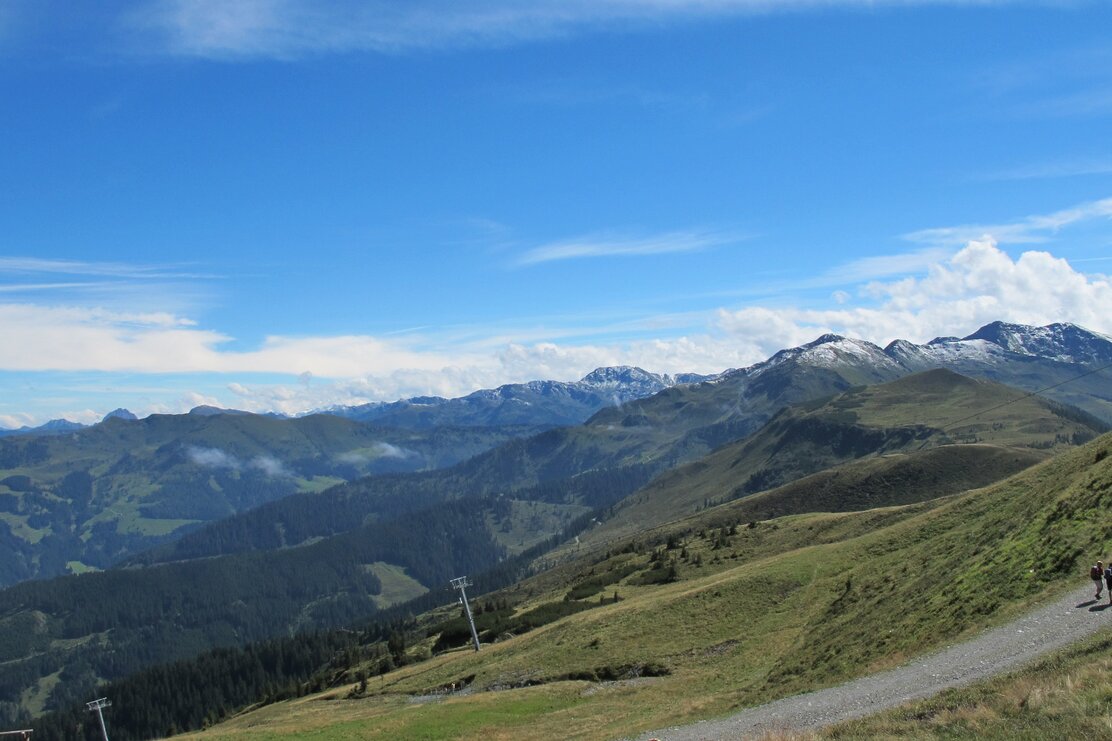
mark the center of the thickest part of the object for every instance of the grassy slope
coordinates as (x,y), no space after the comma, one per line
(809,601)
(891,479)
(910,414)
(397,585)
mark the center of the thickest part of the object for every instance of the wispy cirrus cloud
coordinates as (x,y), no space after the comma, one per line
(35,265)
(880,266)
(1028,230)
(610,245)
(287,29)
(120,287)
(32,287)
(1064,168)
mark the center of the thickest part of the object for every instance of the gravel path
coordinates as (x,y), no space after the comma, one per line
(1052,627)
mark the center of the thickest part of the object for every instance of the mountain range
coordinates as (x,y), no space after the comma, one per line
(94,497)
(560,403)
(555,403)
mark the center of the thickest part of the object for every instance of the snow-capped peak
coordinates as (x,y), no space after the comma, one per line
(624,375)
(1064,342)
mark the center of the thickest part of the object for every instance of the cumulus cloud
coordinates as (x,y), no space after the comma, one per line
(14,421)
(36,337)
(977,285)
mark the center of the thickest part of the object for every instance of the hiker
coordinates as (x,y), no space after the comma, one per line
(1108,579)
(1096,573)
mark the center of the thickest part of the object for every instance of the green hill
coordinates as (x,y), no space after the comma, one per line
(916,413)
(753,614)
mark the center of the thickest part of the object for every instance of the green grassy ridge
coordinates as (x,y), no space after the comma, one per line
(114,489)
(819,599)
(912,413)
(900,478)
(875,481)
(1065,695)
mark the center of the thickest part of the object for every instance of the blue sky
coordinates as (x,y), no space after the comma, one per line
(269,205)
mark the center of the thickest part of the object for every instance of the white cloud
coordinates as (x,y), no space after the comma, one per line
(212,458)
(216,458)
(33,265)
(1059,169)
(513,363)
(977,285)
(386,450)
(615,246)
(378,450)
(269,466)
(882,266)
(74,338)
(1031,229)
(290,28)
(14,421)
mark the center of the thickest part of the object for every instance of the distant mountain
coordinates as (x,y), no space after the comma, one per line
(100,494)
(549,403)
(1063,361)
(205,410)
(53,427)
(120,413)
(1066,343)
(998,342)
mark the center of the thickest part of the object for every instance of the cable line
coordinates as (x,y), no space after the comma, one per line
(1029,395)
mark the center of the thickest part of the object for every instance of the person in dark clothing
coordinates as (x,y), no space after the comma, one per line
(1108,581)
